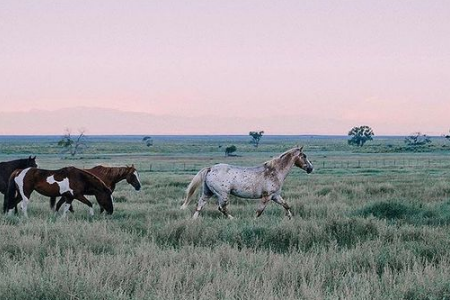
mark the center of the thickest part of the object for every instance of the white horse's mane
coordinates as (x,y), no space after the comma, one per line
(277,160)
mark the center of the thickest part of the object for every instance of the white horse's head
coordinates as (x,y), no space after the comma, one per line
(302,161)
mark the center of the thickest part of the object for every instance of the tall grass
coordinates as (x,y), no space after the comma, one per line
(356,234)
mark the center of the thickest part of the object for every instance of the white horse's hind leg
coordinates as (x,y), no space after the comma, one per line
(278,199)
(201,203)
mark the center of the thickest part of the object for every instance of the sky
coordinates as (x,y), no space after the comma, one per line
(224,67)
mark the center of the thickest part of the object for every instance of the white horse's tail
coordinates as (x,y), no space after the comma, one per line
(195,183)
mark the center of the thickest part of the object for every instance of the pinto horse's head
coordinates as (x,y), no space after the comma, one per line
(133,178)
(302,161)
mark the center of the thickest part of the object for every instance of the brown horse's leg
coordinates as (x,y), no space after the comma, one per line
(83,199)
(262,205)
(278,199)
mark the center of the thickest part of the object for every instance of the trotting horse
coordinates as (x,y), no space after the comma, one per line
(110,176)
(70,182)
(261,182)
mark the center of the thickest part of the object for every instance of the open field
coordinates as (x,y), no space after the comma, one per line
(370,223)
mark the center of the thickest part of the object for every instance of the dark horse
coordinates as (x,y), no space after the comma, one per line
(70,182)
(110,176)
(7,167)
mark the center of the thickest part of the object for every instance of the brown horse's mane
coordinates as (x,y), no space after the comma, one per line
(112,172)
(93,179)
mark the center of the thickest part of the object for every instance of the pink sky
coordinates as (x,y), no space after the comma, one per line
(286,67)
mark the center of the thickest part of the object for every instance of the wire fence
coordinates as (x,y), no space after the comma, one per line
(325,164)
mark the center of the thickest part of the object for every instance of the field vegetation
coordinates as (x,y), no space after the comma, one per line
(369,223)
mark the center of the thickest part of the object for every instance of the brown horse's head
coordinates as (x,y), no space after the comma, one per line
(133,178)
(302,161)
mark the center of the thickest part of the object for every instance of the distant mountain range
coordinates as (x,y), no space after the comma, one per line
(110,121)
(101,121)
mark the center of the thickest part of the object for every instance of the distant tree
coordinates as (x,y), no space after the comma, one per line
(256,137)
(360,135)
(417,139)
(148,141)
(71,145)
(446,136)
(230,150)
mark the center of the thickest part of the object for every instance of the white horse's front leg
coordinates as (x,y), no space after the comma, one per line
(262,205)
(278,199)
(223,204)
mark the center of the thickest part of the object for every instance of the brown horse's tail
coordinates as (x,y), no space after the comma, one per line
(195,183)
(10,194)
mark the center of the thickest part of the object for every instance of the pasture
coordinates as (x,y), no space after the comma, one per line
(369,223)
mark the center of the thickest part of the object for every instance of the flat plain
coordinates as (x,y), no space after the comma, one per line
(369,223)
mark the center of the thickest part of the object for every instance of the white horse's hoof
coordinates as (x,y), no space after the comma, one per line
(184,206)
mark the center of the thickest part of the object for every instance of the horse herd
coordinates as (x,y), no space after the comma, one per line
(19,178)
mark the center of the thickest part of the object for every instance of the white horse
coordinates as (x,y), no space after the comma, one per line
(261,182)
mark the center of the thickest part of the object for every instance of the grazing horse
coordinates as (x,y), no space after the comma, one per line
(261,182)
(70,182)
(110,176)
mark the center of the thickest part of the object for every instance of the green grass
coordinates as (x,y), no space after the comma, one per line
(366,225)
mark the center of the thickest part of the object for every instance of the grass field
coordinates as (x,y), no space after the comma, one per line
(370,223)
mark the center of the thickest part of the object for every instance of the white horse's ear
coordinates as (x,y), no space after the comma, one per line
(300,148)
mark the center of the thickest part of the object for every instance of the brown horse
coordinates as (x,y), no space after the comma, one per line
(110,176)
(70,182)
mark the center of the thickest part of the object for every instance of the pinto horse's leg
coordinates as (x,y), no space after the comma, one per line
(278,199)
(67,204)
(262,205)
(60,202)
